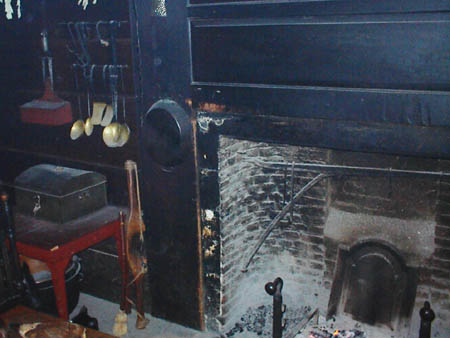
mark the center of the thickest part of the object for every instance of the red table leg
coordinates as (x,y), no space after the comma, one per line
(58,269)
(121,253)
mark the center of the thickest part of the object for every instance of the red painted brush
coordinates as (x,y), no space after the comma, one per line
(48,110)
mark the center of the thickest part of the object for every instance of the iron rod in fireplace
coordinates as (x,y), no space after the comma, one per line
(327,170)
(426,317)
(342,170)
(280,216)
(274,289)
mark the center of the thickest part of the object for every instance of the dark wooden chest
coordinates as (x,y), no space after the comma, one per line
(59,194)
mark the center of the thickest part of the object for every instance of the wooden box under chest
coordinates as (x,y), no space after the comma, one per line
(59,194)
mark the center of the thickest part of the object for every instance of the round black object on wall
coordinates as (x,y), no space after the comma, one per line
(166,133)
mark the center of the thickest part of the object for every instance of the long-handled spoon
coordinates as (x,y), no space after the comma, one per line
(124,130)
(78,126)
(88,125)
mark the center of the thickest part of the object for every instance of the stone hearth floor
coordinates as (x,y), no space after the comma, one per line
(105,312)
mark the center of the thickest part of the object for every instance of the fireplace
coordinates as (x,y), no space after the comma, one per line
(272,86)
(365,244)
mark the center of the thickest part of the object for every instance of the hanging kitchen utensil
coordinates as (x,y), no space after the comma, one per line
(102,38)
(82,37)
(104,42)
(49,109)
(108,116)
(78,126)
(124,129)
(124,132)
(73,46)
(111,133)
(77,129)
(88,125)
(97,112)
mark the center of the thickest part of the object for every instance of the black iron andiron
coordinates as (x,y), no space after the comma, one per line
(274,289)
(426,317)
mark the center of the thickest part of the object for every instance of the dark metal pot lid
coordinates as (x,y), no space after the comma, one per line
(166,133)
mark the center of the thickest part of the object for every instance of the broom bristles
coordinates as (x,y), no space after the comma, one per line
(120,327)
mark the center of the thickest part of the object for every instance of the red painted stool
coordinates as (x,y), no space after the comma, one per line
(55,244)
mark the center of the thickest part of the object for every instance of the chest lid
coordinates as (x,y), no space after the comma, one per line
(58,181)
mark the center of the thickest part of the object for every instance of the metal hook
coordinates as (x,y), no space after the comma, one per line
(82,36)
(123,93)
(105,67)
(103,41)
(91,74)
(77,89)
(74,42)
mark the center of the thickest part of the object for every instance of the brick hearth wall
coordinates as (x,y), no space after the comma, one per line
(251,196)
(436,276)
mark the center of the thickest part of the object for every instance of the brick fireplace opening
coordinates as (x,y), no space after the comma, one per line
(366,251)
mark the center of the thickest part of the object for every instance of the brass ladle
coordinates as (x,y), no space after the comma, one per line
(111,132)
(77,129)
(124,134)
(124,130)
(78,126)
(89,125)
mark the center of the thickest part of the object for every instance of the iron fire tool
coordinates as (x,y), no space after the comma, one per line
(324,171)
(15,277)
(426,317)
(274,289)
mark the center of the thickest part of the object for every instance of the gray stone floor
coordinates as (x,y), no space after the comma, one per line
(105,312)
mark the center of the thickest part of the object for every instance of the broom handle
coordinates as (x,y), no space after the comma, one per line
(132,191)
(133,187)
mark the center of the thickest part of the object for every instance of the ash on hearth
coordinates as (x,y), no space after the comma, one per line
(258,321)
(338,334)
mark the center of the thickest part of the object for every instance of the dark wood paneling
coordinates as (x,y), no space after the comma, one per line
(170,204)
(384,52)
(388,69)
(383,106)
(382,75)
(340,135)
(289,8)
